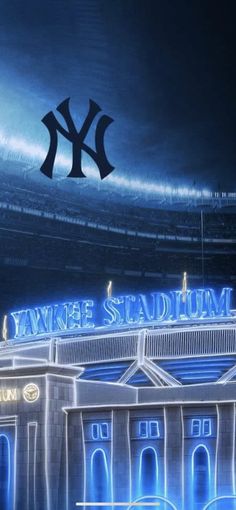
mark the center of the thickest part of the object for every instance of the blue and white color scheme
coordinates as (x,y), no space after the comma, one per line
(142,414)
(127,311)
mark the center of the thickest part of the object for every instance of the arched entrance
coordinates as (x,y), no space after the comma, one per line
(164,503)
(200,476)
(100,486)
(5,472)
(221,503)
(148,472)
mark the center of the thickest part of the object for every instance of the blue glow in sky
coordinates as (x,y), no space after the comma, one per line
(160,72)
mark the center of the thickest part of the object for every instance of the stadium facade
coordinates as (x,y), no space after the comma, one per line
(120,415)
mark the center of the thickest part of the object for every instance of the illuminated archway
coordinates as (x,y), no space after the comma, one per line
(201,474)
(153,499)
(5,472)
(215,504)
(148,472)
(100,486)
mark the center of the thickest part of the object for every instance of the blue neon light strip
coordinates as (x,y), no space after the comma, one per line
(200,370)
(187,371)
(130,310)
(140,379)
(105,371)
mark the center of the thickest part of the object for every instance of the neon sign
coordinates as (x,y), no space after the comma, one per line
(9,395)
(127,310)
(30,393)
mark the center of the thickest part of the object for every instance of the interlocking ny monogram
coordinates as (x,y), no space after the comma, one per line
(77,139)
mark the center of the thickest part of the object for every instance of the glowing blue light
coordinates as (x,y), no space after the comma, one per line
(19,148)
(95,431)
(105,371)
(104,430)
(198,370)
(100,431)
(100,485)
(143,429)
(201,427)
(154,430)
(206,426)
(157,307)
(201,475)
(148,472)
(5,469)
(215,504)
(196,427)
(151,498)
(149,429)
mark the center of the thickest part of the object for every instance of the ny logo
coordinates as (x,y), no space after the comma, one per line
(77,139)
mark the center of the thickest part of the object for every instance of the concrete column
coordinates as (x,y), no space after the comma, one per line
(225,451)
(76,461)
(173,448)
(121,456)
(59,394)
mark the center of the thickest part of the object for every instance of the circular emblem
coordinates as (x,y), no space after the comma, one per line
(31,392)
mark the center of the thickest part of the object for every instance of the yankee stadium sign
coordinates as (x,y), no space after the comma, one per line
(127,310)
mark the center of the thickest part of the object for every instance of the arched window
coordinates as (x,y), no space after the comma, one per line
(5,472)
(148,472)
(201,475)
(100,486)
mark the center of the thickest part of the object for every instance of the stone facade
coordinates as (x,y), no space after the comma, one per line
(67,440)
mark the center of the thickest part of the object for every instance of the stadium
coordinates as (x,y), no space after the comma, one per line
(136,406)
(126,396)
(118,310)
(139,409)
(138,414)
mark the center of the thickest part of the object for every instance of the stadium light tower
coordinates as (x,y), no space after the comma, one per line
(109,289)
(4,328)
(184,287)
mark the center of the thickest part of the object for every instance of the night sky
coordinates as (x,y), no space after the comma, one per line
(164,70)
